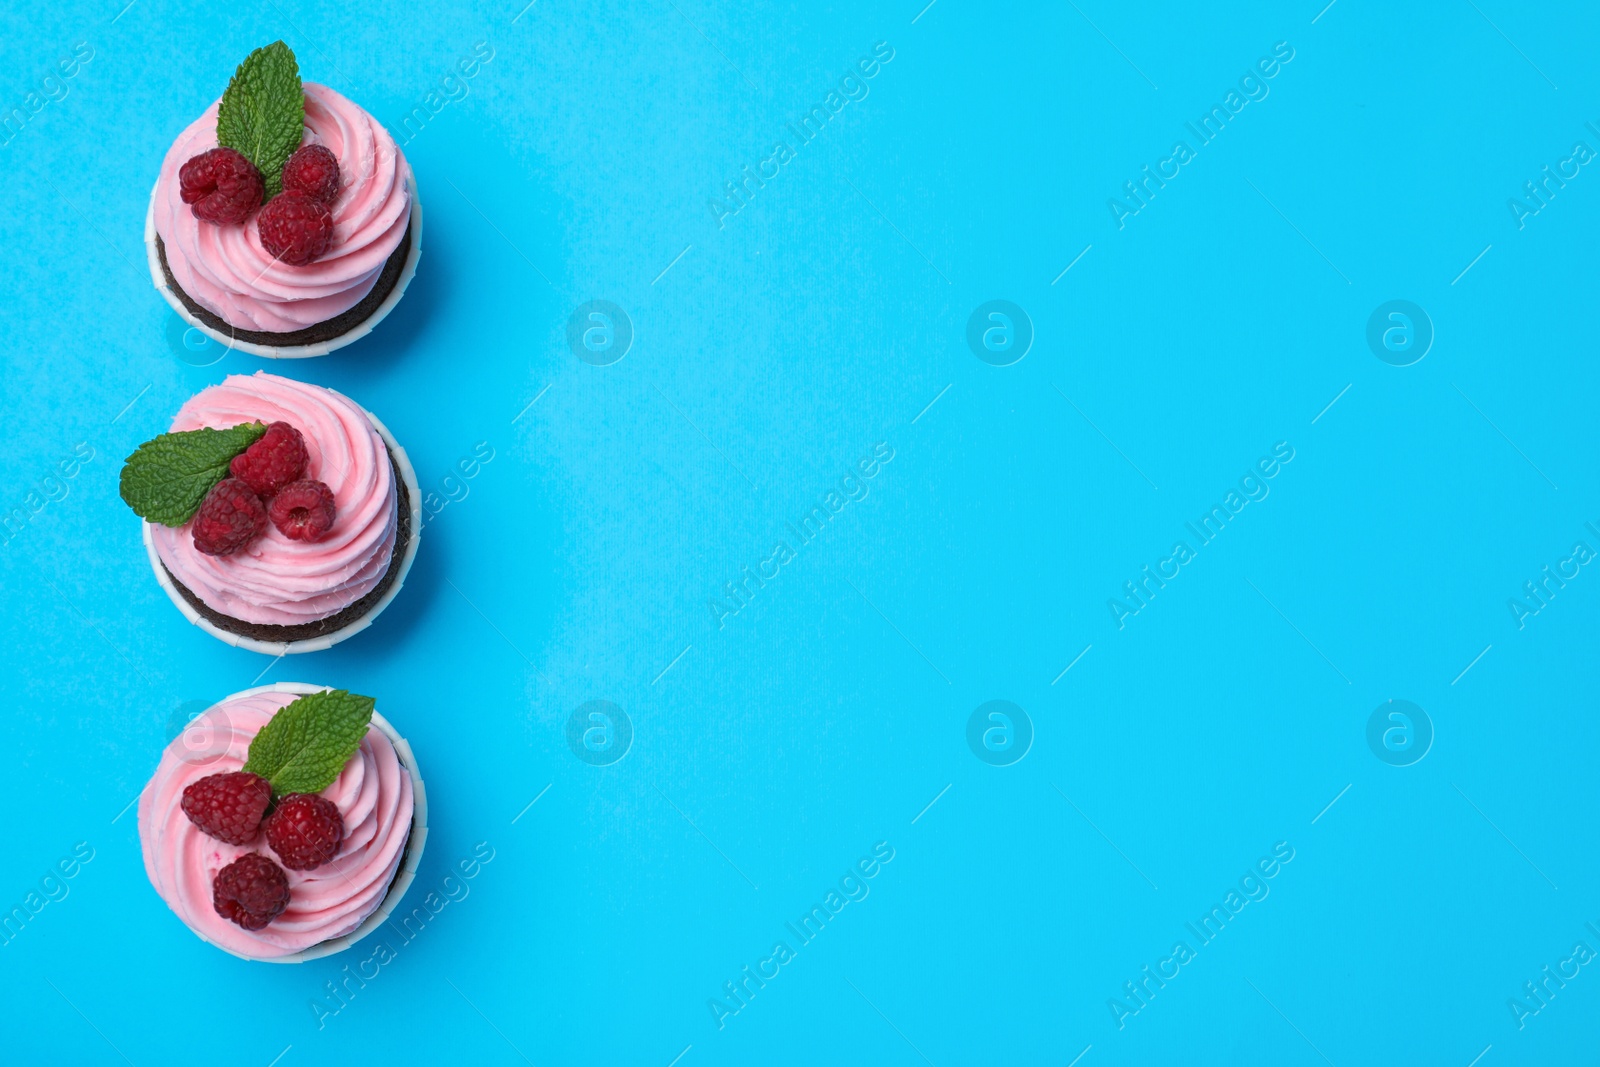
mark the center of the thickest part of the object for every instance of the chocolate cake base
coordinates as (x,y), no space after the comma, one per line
(326,330)
(305,631)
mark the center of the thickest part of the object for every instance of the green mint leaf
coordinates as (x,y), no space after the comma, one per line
(263,113)
(167,477)
(306,744)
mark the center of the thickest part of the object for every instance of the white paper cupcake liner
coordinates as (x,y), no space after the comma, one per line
(319,348)
(408,475)
(404,875)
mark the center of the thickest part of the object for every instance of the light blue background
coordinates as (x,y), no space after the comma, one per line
(824,318)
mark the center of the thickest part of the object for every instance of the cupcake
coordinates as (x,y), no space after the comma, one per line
(284,222)
(292,831)
(279,516)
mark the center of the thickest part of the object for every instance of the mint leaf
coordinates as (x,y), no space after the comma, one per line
(263,113)
(306,744)
(167,477)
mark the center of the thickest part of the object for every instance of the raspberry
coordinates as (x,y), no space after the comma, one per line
(303,510)
(277,458)
(230,517)
(305,831)
(312,170)
(220,186)
(250,891)
(295,228)
(228,806)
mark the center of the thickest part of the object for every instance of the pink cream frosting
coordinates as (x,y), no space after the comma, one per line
(225,269)
(374,797)
(275,580)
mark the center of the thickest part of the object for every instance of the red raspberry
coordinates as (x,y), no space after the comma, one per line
(295,228)
(220,186)
(230,517)
(305,831)
(277,458)
(250,891)
(228,806)
(303,510)
(312,170)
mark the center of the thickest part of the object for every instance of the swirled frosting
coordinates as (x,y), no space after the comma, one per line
(225,269)
(374,798)
(275,580)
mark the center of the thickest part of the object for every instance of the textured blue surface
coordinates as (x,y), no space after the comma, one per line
(822,323)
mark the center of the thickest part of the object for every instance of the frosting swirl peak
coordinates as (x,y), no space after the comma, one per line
(274,580)
(374,797)
(227,271)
